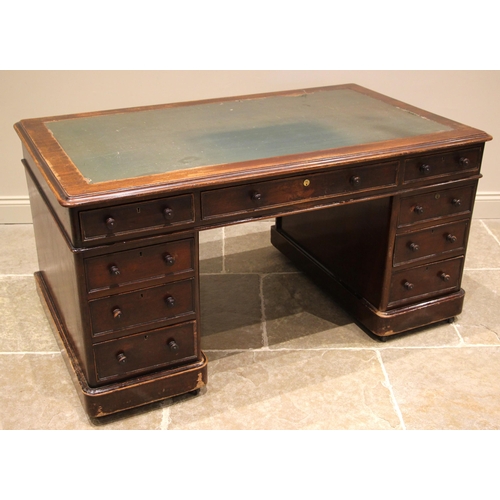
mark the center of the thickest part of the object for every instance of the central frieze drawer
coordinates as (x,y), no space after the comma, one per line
(146,351)
(261,195)
(431,241)
(125,219)
(132,266)
(142,307)
(425,281)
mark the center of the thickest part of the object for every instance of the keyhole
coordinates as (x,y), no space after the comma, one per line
(140,254)
(138,210)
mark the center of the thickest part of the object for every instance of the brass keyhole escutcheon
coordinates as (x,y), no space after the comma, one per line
(437,196)
(307,182)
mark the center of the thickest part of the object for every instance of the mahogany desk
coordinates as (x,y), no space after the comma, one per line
(372,197)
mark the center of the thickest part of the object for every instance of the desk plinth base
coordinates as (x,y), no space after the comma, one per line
(379,323)
(120,396)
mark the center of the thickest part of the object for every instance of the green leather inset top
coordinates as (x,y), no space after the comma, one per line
(136,143)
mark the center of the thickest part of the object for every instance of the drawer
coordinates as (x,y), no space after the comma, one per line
(135,217)
(142,307)
(435,240)
(430,166)
(428,206)
(425,281)
(146,351)
(141,264)
(262,195)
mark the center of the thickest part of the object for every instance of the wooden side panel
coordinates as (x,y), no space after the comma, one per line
(351,241)
(62,270)
(63,214)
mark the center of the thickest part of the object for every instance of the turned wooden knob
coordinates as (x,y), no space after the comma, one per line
(170,301)
(114,270)
(444,277)
(414,247)
(464,162)
(173,346)
(408,285)
(255,195)
(425,169)
(451,238)
(110,222)
(121,357)
(168,213)
(117,313)
(355,180)
(169,259)
(419,209)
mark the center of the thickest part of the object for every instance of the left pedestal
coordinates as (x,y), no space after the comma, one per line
(125,314)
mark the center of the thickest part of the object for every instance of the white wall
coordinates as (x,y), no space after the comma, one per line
(470,97)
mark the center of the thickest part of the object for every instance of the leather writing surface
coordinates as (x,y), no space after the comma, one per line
(131,144)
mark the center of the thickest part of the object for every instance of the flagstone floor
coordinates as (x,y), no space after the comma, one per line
(282,354)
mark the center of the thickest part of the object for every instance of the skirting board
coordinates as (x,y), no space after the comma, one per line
(16,209)
(487,206)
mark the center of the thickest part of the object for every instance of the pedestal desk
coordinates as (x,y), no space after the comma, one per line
(372,197)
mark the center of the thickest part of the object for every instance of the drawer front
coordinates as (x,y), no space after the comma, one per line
(146,351)
(431,241)
(426,281)
(423,167)
(262,195)
(142,307)
(132,266)
(134,217)
(428,206)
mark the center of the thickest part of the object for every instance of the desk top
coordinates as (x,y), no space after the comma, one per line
(189,145)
